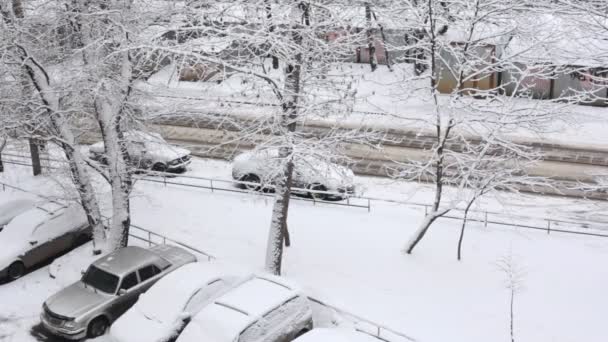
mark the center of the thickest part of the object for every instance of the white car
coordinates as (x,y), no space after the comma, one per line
(148,151)
(39,234)
(336,335)
(263,309)
(262,167)
(163,311)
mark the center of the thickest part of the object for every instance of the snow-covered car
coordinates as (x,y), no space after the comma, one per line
(148,151)
(12,208)
(39,234)
(263,166)
(263,308)
(109,287)
(337,335)
(162,312)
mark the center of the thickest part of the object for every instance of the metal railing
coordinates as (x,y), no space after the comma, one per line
(365,325)
(356,201)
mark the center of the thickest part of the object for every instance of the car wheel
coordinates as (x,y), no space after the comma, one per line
(251,178)
(317,196)
(160,167)
(302,332)
(97,327)
(16,270)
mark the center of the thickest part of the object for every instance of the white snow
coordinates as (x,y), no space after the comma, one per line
(351,258)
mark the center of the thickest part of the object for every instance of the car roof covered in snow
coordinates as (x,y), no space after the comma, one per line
(225,318)
(28,221)
(259,295)
(14,207)
(128,259)
(336,335)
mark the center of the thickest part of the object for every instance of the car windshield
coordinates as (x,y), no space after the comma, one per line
(100,279)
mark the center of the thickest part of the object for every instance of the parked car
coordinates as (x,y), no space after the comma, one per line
(262,167)
(39,234)
(337,335)
(12,208)
(264,308)
(148,151)
(161,313)
(108,288)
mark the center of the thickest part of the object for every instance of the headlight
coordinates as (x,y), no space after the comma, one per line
(69,324)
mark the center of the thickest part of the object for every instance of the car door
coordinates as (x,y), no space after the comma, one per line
(127,295)
(49,239)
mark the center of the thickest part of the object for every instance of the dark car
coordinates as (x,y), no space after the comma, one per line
(39,234)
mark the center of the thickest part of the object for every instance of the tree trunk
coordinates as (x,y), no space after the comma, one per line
(35,154)
(373,60)
(76,160)
(464,224)
(114,87)
(2,145)
(278,225)
(422,229)
(120,179)
(291,92)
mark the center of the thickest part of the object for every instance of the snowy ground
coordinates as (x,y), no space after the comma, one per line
(351,258)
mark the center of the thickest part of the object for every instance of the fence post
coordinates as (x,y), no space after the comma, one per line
(425,210)
(149,239)
(369,205)
(211,183)
(165,179)
(548,226)
(486,220)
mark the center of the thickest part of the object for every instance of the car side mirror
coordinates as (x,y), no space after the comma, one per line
(33,243)
(122,292)
(82,272)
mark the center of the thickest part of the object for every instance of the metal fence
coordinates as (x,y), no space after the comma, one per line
(366,202)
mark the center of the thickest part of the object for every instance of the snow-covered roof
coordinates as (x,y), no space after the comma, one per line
(10,209)
(258,295)
(561,40)
(230,314)
(335,335)
(126,260)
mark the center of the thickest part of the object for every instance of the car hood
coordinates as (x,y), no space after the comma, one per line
(76,300)
(167,153)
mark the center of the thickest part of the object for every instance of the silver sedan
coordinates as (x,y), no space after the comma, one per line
(109,287)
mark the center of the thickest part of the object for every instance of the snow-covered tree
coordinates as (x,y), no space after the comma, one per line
(462,53)
(283,59)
